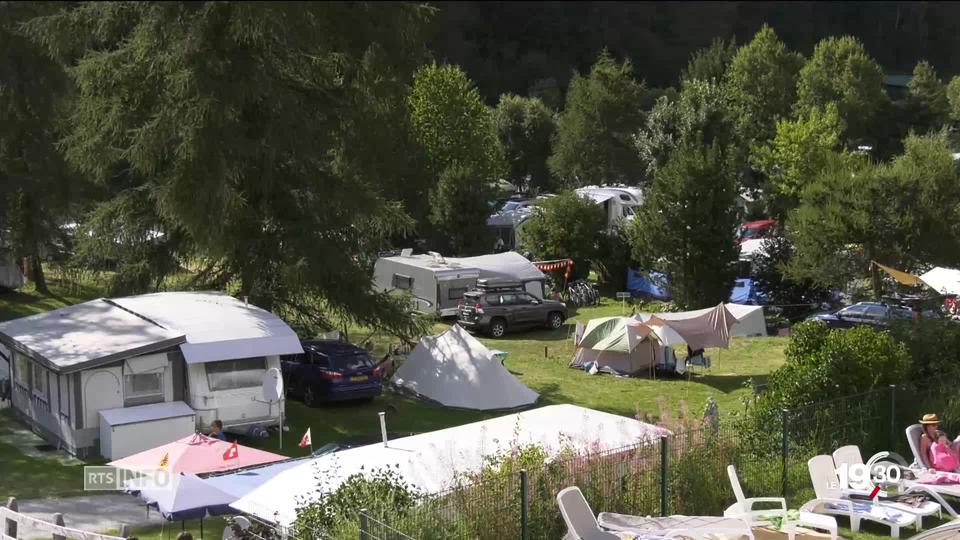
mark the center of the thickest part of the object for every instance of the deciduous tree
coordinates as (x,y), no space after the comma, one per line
(595,129)
(525,127)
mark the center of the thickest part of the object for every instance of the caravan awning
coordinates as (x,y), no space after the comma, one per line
(943,280)
(217,326)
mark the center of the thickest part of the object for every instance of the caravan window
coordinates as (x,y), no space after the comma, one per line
(232,374)
(457,293)
(401,281)
(39,381)
(142,388)
(21,370)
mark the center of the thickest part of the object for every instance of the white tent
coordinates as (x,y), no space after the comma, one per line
(432,462)
(751,248)
(456,370)
(943,280)
(750,321)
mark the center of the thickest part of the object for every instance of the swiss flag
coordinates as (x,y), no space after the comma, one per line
(232,453)
(306,441)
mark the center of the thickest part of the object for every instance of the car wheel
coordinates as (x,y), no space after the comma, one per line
(308,398)
(498,327)
(554,320)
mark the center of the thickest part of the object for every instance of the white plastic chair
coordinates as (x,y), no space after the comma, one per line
(743,509)
(850,455)
(580,519)
(830,501)
(914,433)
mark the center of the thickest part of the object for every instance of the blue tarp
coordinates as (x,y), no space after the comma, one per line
(745,292)
(655,287)
(744,289)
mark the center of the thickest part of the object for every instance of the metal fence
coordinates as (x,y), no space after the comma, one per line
(684,473)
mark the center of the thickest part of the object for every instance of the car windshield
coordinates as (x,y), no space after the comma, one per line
(353,361)
(749,234)
(512,205)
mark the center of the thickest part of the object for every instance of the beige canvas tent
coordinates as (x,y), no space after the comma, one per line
(621,344)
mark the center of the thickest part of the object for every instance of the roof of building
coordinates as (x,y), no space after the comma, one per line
(208,326)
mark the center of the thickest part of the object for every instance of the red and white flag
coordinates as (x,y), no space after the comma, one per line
(306,440)
(232,453)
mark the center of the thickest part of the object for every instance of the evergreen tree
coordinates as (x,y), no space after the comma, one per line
(594,131)
(524,128)
(687,226)
(953,97)
(927,99)
(38,194)
(246,127)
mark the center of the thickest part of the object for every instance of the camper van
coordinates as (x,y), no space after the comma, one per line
(619,202)
(436,284)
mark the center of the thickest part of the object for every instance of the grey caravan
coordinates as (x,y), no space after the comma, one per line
(437,284)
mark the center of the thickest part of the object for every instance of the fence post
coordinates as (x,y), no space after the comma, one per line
(664,507)
(58,520)
(10,527)
(523,504)
(124,531)
(893,417)
(364,526)
(784,449)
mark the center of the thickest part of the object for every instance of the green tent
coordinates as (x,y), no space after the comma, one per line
(608,340)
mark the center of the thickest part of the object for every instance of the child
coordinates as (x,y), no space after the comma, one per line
(944,457)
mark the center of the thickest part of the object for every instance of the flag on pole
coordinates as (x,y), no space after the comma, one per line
(165,461)
(232,453)
(306,440)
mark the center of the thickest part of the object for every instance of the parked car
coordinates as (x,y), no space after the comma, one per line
(873,314)
(497,306)
(330,370)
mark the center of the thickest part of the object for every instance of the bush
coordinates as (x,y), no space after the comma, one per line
(934,347)
(337,514)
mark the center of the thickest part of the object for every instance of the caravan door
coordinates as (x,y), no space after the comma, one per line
(450,291)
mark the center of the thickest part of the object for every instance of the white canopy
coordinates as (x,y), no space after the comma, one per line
(943,280)
(456,370)
(432,461)
(508,265)
(750,320)
(217,326)
(183,496)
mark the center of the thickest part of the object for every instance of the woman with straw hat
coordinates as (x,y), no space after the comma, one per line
(931,424)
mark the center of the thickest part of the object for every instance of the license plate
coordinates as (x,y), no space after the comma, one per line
(358,378)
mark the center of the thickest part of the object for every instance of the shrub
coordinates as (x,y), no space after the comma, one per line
(934,347)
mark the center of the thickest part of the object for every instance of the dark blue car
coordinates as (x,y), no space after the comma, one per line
(873,314)
(331,370)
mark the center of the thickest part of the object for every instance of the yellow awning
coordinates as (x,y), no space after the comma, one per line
(902,277)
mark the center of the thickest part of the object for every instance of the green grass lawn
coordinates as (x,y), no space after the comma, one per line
(27,477)
(27,301)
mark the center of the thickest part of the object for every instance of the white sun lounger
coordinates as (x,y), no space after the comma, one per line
(851,456)
(743,509)
(582,525)
(831,501)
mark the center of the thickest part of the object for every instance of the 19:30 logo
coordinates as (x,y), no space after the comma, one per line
(859,475)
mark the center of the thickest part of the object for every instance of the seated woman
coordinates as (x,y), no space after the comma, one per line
(942,455)
(932,437)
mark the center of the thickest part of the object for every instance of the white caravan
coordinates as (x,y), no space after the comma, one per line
(437,284)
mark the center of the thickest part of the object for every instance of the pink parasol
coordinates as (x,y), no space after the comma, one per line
(197,454)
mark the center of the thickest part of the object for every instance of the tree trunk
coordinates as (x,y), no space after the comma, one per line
(36,272)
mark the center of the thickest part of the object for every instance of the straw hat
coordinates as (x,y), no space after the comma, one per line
(929,419)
